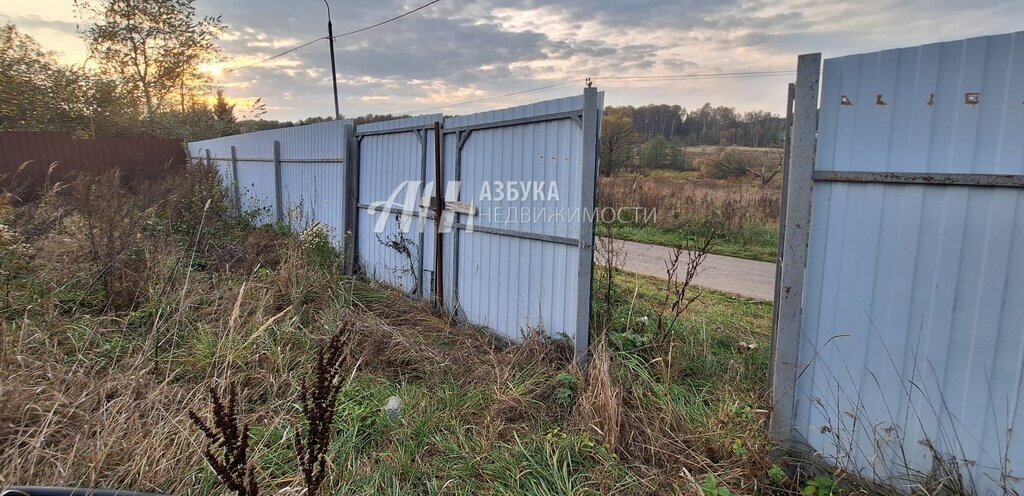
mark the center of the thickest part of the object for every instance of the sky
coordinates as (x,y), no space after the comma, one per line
(458,51)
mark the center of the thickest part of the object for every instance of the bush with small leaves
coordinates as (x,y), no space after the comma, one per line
(819,486)
(710,487)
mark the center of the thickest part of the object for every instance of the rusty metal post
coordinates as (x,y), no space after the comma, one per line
(351,195)
(278,193)
(438,205)
(235,188)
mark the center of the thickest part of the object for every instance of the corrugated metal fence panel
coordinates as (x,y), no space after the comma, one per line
(313,194)
(220,151)
(524,178)
(925,124)
(392,164)
(312,191)
(532,167)
(256,187)
(26,158)
(913,325)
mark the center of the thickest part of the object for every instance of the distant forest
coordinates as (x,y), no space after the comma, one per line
(707,125)
(250,125)
(656,136)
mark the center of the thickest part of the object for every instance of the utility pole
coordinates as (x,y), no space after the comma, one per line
(334,71)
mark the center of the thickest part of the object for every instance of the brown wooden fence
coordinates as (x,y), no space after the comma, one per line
(26,156)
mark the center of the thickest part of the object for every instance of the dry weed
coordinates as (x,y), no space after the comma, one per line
(600,405)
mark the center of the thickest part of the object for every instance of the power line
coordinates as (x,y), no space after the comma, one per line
(272,57)
(381,23)
(360,30)
(707,75)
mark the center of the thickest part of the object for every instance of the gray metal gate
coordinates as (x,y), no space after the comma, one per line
(516,230)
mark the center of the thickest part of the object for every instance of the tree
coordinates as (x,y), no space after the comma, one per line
(723,126)
(654,153)
(36,92)
(114,111)
(224,115)
(676,155)
(770,167)
(657,120)
(618,142)
(154,46)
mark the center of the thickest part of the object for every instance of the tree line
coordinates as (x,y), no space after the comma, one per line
(144,80)
(707,125)
(655,136)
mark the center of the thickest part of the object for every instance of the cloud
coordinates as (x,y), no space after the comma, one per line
(454,51)
(36,22)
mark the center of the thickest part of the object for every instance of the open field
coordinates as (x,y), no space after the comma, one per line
(693,153)
(113,330)
(744,216)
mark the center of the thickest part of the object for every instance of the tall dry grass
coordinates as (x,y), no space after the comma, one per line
(133,299)
(678,201)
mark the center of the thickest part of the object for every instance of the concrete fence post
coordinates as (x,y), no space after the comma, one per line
(786,335)
(590,154)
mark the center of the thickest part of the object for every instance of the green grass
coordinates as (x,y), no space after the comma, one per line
(713,326)
(752,243)
(439,442)
(452,437)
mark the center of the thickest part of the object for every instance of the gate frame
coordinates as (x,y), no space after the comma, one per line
(588,119)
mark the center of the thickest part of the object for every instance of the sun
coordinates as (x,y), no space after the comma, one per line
(212,70)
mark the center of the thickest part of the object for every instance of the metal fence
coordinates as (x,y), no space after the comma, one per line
(293,175)
(26,157)
(489,214)
(899,348)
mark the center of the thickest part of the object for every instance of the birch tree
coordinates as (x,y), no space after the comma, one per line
(154,46)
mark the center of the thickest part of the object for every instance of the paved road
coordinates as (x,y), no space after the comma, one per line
(728,274)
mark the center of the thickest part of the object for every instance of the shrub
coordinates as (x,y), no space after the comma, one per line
(728,164)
